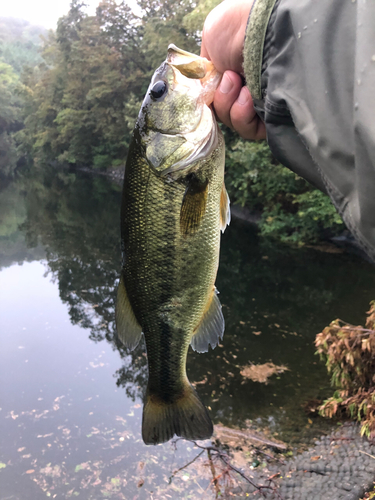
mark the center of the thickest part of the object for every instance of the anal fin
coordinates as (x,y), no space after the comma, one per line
(211,327)
(129,330)
(224,209)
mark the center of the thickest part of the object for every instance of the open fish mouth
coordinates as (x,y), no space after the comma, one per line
(195,67)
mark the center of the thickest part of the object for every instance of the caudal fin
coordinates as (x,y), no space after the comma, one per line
(187,417)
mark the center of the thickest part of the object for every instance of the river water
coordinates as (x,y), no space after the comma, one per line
(71,395)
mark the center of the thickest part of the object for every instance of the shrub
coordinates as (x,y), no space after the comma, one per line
(349,354)
(293,211)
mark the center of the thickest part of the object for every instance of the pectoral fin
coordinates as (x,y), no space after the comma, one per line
(128,329)
(211,328)
(193,206)
(224,209)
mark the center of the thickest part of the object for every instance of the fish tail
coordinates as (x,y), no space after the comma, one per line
(186,417)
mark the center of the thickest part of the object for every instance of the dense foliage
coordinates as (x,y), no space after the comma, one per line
(80,96)
(291,209)
(349,354)
(10,117)
(83,107)
(19,45)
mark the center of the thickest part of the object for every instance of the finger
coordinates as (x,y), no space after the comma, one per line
(244,118)
(204,51)
(235,108)
(226,95)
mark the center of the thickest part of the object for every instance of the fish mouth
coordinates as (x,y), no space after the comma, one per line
(190,65)
(197,68)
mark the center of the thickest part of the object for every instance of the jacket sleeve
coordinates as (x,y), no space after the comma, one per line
(310,67)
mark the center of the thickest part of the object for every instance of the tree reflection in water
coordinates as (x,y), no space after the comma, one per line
(286,294)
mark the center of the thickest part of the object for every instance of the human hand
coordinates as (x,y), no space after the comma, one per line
(222,42)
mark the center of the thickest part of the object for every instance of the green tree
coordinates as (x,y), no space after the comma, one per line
(164,24)
(82,102)
(20,42)
(83,107)
(10,118)
(193,22)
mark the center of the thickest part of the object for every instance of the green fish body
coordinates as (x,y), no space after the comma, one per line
(174,205)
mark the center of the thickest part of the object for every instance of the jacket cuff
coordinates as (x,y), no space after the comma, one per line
(254,41)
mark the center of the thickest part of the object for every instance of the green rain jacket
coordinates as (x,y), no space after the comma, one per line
(310,67)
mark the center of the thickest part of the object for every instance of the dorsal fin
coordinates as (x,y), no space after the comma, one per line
(224,209)
(129,330)
(211,327)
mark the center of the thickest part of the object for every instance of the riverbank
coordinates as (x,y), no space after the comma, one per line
(340,466)
(342,243)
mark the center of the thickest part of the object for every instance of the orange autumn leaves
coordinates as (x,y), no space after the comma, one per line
(349,354)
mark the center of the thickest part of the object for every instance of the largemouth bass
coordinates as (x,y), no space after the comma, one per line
(174,205)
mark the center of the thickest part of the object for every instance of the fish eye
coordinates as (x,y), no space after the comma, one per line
(158,90)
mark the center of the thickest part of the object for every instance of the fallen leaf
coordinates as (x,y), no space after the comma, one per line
(30,471)
(261,373)
(84,465)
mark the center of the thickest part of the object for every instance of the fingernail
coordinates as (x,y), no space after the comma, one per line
(226,84)
(244,96)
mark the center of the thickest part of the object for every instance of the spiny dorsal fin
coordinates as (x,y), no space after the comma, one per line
(224,209)
(193,206)
(128,329)
(211,328)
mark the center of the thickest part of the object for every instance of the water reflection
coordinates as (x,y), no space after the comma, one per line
(286,295)
(274,300)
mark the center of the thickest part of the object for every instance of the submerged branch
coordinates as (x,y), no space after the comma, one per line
(184,466)
(213,452)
